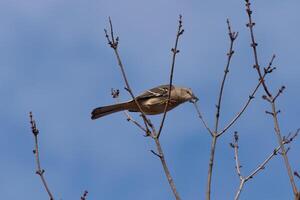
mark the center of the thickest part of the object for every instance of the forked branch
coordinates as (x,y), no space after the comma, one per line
(114,42)
(175,51)
(214,134)
(232,37)
(114,45)
(269,69)
(261,166)
(272,100)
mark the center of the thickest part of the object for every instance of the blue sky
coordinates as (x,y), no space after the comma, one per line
(55,61)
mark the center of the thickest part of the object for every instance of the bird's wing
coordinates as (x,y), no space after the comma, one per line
(159,91)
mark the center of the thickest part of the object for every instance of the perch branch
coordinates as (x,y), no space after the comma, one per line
(175,52)
(202,118)
(114,45)
(115,93)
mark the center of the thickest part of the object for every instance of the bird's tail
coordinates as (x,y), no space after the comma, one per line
(106,110)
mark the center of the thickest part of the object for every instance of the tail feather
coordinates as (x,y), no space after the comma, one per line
(106,110)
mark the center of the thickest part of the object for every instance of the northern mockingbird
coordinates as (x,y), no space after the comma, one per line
(152,101)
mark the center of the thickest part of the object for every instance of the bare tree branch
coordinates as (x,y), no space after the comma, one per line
(202,119)
(274,112)
(283,150)
(261,166)
(175,52)
(232,37)
(236,157)
(250,25)
(84,196)
(39,170)
(269,69)
(114,45)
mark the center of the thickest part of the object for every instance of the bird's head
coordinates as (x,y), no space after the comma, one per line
(186,94)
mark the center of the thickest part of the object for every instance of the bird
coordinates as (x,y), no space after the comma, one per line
(152,101)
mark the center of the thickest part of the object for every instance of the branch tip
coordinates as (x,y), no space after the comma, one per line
(84,196)
(34,129)
(115,93)
(296,174)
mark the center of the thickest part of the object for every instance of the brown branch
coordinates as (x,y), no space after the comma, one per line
(39,170)
(274,112)
(114,45)
(250,25)
(296,174)
(280,91)
(261,166)
(202,119)
(210,166)
(232,37)
(175,52)
(84,196)
(236,157)
(269,69)
(166,169)
(283,150)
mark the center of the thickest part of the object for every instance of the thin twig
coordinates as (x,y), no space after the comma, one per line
(238,115)
(39,170)
(296,174)
(84,196)
(261,166)
(269,69)
(175,52)
(280,91)
(114,45)
(283,150)
(272,101)
(202,119)
(115,94)
(236,157)
(232,37)
(250,25)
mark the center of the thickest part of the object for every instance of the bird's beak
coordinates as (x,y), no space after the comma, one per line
(194,99)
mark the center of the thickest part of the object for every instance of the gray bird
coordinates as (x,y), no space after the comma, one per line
(152,101)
